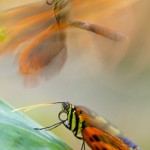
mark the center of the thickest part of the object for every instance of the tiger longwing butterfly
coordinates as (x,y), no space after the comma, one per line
(96,131)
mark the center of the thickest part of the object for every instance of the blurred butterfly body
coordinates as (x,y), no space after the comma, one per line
(42,28)
(99,134)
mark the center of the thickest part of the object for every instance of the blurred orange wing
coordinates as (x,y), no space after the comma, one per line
(98,9)
(23,23)
(32,24)
(36,25)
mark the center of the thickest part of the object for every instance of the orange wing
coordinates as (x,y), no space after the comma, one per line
(23,23)
(36,25)
(98,9)
(97,121)
(31,24)
(99,140)
(41,51)
(94,124)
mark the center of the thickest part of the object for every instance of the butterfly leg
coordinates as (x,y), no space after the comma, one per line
(50,127)
(80,138)
(83,145)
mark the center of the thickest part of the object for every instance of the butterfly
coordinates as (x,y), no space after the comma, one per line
(85,125)
(41,28)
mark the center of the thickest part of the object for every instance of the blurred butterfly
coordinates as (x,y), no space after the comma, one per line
(96,131)
(41,27)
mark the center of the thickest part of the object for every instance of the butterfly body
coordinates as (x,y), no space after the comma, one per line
(98,135)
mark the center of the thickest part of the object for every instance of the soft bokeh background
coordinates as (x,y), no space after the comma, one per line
(111,78)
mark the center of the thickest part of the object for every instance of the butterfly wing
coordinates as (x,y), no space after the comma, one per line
(130,143)
(41,51)
(100,124)
(23,23)
(36,25)
(94,11)
(98,121)
(99,140)
(32,22)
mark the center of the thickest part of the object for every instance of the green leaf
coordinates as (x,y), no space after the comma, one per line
(17,133)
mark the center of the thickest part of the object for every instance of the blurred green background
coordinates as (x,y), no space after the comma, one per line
(111,78)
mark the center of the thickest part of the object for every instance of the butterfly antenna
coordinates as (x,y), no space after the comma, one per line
(28,108)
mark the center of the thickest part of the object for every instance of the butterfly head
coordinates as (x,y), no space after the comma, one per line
(65,113)
(66,106)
